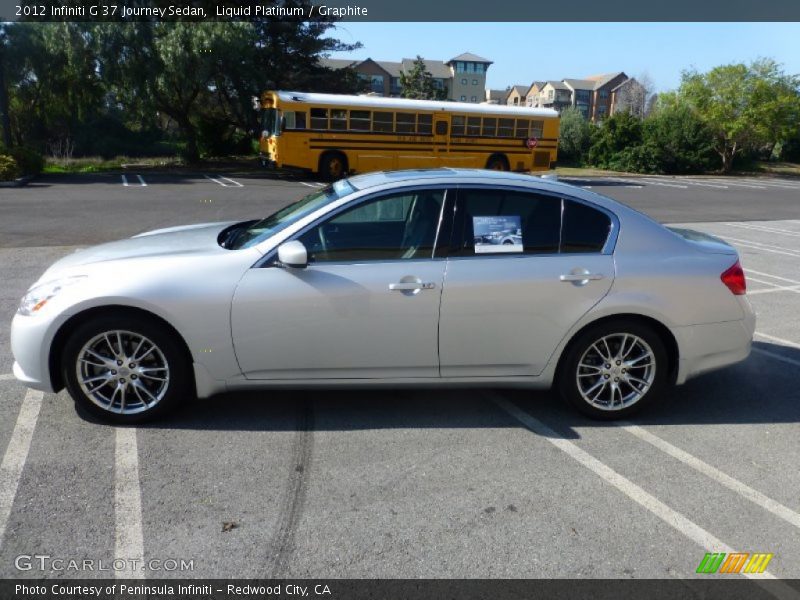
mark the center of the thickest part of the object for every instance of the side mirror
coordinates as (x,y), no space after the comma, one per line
(293,254)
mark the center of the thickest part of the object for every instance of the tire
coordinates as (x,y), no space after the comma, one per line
(157,378)
(333,166)
(497,162)
(588,382)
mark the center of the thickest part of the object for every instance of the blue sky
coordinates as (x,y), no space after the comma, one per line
(523,52)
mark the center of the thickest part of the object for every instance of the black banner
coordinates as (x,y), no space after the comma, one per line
(405,11)
(737,588)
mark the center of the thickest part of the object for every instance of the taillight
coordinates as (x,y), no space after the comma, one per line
(733,277)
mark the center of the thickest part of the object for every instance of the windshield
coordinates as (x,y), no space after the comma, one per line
(269,122)
(261,230)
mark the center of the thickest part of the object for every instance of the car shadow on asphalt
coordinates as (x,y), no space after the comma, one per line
(763,389)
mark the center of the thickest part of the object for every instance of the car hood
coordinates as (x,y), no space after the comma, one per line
(189,239)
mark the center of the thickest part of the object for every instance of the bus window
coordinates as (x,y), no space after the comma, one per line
(300,119)
(319,118)
(424,124)
(537,128)
(523,125)
(505,128)
(406,122)
(458,125)
(489,126)
(441,127)
(269,122)
(474,126)
(383,121)
(338,119)
(360,120)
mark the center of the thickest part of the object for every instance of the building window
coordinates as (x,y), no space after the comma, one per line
(463,81)
(603,94)
(463,98)
(473,99)
(474,82)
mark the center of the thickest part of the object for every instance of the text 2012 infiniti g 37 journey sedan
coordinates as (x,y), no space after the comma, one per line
(377,280)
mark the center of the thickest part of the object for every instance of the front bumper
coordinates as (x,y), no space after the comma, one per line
(30,344)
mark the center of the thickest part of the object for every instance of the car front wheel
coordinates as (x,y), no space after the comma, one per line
(125,370)
(614,369)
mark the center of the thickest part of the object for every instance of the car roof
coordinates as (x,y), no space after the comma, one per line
(446,175)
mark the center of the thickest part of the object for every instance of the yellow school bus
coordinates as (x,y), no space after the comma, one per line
(335,134)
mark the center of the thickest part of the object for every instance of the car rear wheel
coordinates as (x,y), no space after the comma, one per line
(125,370)
(614,369)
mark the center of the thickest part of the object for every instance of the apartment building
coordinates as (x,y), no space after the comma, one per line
(596,96)
(463,77)
(516,95)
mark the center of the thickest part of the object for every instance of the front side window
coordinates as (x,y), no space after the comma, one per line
(393,227)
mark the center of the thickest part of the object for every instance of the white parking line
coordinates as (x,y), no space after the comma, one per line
(654,181)
(744,490)
(129,542)
(6,376)
(764,247)
(16,454)
(126,183)
(670,516)
(703,183)
(765,229)
(778,277)
(739,184)
(776,288)
(786,359)
(218,181)
(782,341)
(629,182)
(311,185)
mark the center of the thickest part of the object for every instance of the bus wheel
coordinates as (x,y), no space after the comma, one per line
(333,166)
(497,162)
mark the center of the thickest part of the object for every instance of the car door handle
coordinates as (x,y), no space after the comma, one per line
(411,286)
(582,277)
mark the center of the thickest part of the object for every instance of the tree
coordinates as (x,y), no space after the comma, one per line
(633,95)
(5,121)
(418,83)
(621,131)
(675,140)
(575,135)
(745,106)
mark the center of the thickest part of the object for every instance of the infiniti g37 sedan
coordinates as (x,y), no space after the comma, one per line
(377,281)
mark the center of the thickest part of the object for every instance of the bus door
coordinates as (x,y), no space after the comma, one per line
(441,139)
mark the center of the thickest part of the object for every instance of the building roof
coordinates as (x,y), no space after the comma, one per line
(580,84)
(630,81)
(497,94)
(391,67)
(520,89)
(469,57)
(557,85)
(604,78)
(337,63)
(437,68)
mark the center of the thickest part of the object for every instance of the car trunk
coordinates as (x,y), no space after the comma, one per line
(704,242)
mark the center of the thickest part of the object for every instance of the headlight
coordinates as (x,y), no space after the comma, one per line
(38,296)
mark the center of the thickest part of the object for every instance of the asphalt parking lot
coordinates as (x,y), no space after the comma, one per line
(417,484)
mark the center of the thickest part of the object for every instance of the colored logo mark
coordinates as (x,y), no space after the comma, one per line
(735,562)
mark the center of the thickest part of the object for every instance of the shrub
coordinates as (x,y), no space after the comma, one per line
(574,137)
(30,162)
(614,135)
(9,170)
(679,141)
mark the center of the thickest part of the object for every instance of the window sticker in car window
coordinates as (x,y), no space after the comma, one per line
(497,234)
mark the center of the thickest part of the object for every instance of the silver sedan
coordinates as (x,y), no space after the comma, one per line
(378,280)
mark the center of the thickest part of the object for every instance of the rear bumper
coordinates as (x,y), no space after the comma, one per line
(712,346)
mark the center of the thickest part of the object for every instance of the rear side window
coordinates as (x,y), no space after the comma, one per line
(498,221)
(584,229)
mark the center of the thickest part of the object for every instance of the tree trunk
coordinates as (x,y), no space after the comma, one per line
(191,154)
(5,121)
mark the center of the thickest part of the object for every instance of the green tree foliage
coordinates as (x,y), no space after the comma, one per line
(745,106)
(113,88)
(418,83)
(575,136)
(614,139)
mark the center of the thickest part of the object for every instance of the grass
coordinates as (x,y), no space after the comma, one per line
(96,164)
